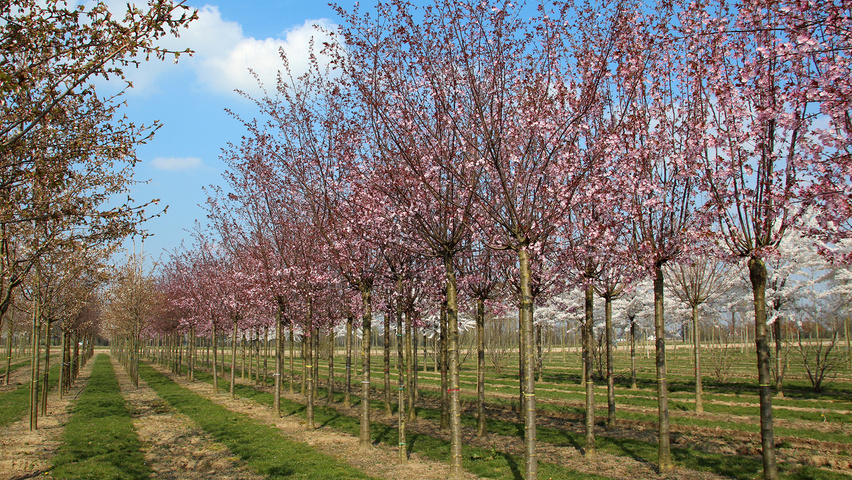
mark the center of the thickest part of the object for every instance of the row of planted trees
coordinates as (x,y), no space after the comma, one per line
(486,156)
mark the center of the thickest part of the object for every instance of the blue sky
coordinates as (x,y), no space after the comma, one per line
(190,100)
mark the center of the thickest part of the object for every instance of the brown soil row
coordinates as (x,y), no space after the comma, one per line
(381,461)
(26,453)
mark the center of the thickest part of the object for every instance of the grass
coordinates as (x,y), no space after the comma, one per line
(99,441)
(736,466)
(488,463)
(260,445)
(15,403)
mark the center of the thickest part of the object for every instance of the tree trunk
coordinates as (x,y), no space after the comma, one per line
(347,394)
(402,449)
(279,361)
(664,458)
(291,389)
(633,354)
(411,366)
(526,315)
(364,440)
(46,375)
(233,359)
(386,340)
(442,340)
(481,426)
(12,335)
(610,376)
(453,358)
(310,338)
(757,275)
(215,361)
(34,364)
(330,386)
(588,363)
(696,346)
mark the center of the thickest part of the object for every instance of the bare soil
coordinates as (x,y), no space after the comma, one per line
(381,461)
(174,446)
(26,453)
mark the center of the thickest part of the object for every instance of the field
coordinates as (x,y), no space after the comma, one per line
(170,427)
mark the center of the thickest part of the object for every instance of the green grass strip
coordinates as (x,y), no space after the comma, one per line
(15,403)
(261,446)
(99,442)
(487,463)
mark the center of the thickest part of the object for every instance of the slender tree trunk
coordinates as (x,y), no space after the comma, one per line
(665,463)
(364,440)
(402,449)
(34,364)
(233,359)
(526,314)
(386,340)
(291,390)
(588,348)
(215,361)
(610,376)
(279,361)
(442,340)
(633,353)
(347,394)
(410,365)
(453,358)
(522,361)
(757,275)
(481,426)
(46,375)
(696,345)
(311,342)
(330,397)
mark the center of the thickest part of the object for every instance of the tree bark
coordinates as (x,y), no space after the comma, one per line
(588,347)
(402,451)
(610,376)
(757,275)
(215,361)
(481,426)
(696,346)
(444,354)
(311,341)
(233,359)
(386,340)
(411,366)
(364,440)
(330,386)
(347,393)
(526,314)
(633,353)
(664,457)
(452,323)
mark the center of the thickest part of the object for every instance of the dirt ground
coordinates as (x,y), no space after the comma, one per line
(28,454)
(381,462)
(174,447)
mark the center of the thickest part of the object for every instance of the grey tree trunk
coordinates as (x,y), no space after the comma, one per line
(386,341)
(215,361)
(664,456)
(588,347)
(279,362)
(347,393)
(632,354)
(364,440)
(757,275)
(233,359)
(402,450)
(696,346)
(453,367)
(481,426)
(610,376)
(526,315)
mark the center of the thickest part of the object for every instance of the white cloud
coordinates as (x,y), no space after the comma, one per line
(176,164)
(223,55)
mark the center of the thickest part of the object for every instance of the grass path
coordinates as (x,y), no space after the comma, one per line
(261,446)
(99,441)
(173,445)
(25,453)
